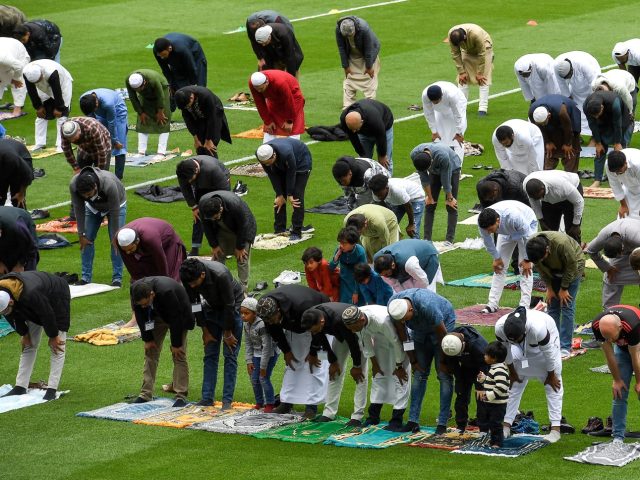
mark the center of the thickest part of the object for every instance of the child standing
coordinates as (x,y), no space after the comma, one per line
(261,354)
(319,276)
(348,254)
(492,400)
(373,290)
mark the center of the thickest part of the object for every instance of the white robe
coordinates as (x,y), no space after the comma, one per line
(526,153)
(449,116)
(542,80)
(578,87)
(633,46)
(379,338)
(13,59)
(48,67)
(619,81)
(300,386)
(627,185)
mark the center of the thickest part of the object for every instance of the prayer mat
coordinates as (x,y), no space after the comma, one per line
(5,327)
(444,247)
(173,126)
(89,289)
(538,284)
(610,454)
(308,432)
(34,396)
(156,193)
(598,192)
(473,220)
(247,423)
(471,315)
(449,441)
(49,241)
(470,244)
(374,436)
(484,281)
(588,152)
(575,352)
(472,149)
(183,417)
(110,334)
(584,329)
(254,133)
(137,160)
(10,116)
(271,241)
(245,106)
(601,369)
(339,206)
(62,226)
(514,446)
(128,412)
(249,170)
(43,153)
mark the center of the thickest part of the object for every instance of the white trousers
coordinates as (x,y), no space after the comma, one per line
(341,350)
(143,141)
(268,137)
(19,94)
(387,388)
(41,131)
(505,249)
(28,359)
(301,386)
(483,104)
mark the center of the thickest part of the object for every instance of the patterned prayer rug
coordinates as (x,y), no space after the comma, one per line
(449,441)
(610,454)
(184,417)
(249,170)
(110,334)
(514,446)
(247,423)
(271,241)
(374,436)
(128,412)
(483,280)
(598,192)
(471,315)
(136,160)
(308,432)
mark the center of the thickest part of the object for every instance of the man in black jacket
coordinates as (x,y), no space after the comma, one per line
(18,241)
(281,310)
(182,61)
(359,48)
(17,172)
(220,322)
(33,302)
(41,38)
(280,48)
(197,176)
(229,226)
(161,304)
(260,19)
(326,319)
(369,123)
(501,185)
(203,113)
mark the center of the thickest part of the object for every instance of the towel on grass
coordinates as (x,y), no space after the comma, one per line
(374,436)
(449,441)
(601,369)
(575,352)
(249,170)
(272,241)
(44,153)
(128,412)
(338,206)
(514,446)
(247,423)
(308,432)
(89,289)
(50,241)
(34,396)
(5,327)
(110,334)
(610,454)
(444,247)
(471,315)
(62,226)
(183,417)
(598,192)
(254,133)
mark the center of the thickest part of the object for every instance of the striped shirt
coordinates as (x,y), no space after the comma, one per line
(94,141)
(496,383)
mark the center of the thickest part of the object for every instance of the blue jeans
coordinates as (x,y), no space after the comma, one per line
(564,316)
(607,139)
(368,143)
(212,357)
(92,223)
(619,414)
(418,210)
(262,387)
(425,353)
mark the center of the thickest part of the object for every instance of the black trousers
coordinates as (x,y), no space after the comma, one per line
(463,388)
(490,418)
(553,212)
(297,217)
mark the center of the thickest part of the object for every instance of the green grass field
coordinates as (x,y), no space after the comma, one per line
(103,42)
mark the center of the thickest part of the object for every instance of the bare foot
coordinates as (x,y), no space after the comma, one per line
(595,184)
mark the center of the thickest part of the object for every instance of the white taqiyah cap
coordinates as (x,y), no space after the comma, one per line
(563,67)
(126,237)
(70,128)
(4,300)
(451,345)
(258,78)
(136,80)
(264,152)
(540,114)
(620,49)
(32,72)
(263,34)
(398,308)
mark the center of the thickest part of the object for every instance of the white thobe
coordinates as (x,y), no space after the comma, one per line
(526,153)
(542,80)
(619,81)
(449,116)
(626,186)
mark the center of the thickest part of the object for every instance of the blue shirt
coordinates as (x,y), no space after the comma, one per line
(376,291)
(111,110)
(429,311)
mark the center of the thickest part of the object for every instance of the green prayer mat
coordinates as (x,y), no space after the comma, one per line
(308,432)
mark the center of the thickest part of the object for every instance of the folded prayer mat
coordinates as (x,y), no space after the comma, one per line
(514,446)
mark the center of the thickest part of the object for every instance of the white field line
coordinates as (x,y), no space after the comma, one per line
(310,142)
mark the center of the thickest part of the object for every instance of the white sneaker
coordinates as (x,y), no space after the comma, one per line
(552,437)
(287,277)
(565,353)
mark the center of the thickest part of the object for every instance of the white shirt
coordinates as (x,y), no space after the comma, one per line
(526,153)
(453,103)
(633,46)
(517,221)
(48,67)
(13,58)
(542,80)
(379,325)
(627,184)
(402,191)
(585,70)
(559,186)
(619,81)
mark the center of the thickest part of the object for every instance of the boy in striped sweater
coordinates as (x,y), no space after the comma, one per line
(492,400)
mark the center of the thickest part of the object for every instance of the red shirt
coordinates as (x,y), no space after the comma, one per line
(322,279)
(282,101)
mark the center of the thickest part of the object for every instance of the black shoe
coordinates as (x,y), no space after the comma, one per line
(240,189)
(371,421)
(140,400)
(283,408)
(195,251)
(412,427)
(308,229)
(262,285)
(81,282)
(116,283)
(441,429)
(566,427)
(481,113)
(15,391)
(40,214)
(606,431)
(461,427)
(594,424)
(50,394)
(323,419)
(477,208)
(354,423)
(179,403)
(473,422)
(205,403)
(38,173)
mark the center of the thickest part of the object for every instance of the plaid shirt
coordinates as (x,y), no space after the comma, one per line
(94,141)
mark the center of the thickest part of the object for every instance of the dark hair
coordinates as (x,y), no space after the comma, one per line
(210,206)
(486,187)
(422,161)
(191,269)
(456,36)
(536,248)
(312,253)
(503,132)
(341,168)
(349,235)
(616,160)
(496,350)
(593,104)
(533,186)
(383,262)
(487,217)
(20,31)
(140,291)
(378,182)
(310,318)
(357,221)
(88,104)
(361,271)
(613,246)
(181,97)
(86,182)
(160,45)
(186,169)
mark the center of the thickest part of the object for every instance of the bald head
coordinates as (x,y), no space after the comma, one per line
(634,259)
(610,327)
(354,121)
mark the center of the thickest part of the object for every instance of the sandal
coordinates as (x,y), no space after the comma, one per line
(476,167)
